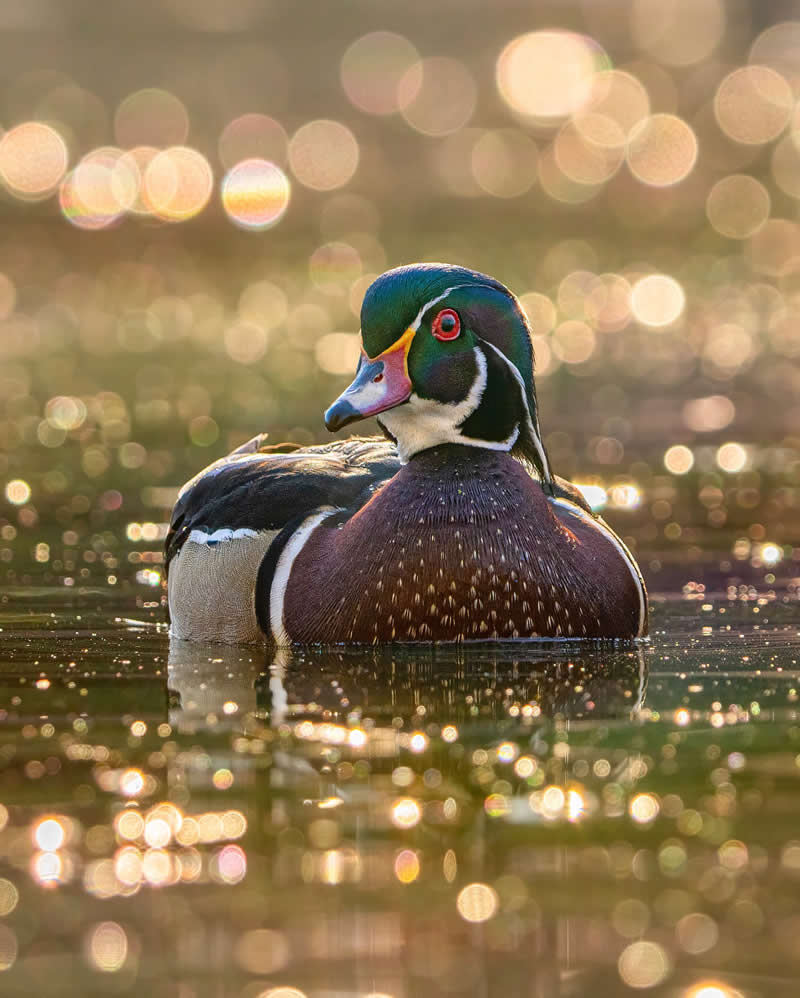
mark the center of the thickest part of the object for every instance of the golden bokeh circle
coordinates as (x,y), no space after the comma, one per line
(662,150)
(253,136)
(737,206)
(504,162)
(323,154)
(255,194)
(381,72)
(438,96)
(644,964)
(177,183)
(33,160)
(679,33)
(753,105)
(549,74)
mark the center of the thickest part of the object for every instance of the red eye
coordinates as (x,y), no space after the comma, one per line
(446,325)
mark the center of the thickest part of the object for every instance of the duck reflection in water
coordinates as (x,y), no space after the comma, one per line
(420,686)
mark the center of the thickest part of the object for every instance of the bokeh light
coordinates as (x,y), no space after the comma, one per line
(680,33)
(18,491)
(50,834)
(662,150)
(590,149)
(334,266)
(620,100)
(9,947)
(753,105)
(737,206)
(785,166)
(777,47)
(710,990)
(101,188)
(406,813)
(107,947)
(697,933)
(548,75)
(774,249)
(504,162)
(245,342)
(264,304)
(177,183)
(644,808)
(644,964)
(134,163)
(33,160)
(255,194)
(262,951)
(373,69)
(253,136)
(708,414)
(9,896)
(151,117)
(657,300)
(477,902)
(678,459)
(732,457)
(438,96)
(573,341)
(323,155)
(406,866)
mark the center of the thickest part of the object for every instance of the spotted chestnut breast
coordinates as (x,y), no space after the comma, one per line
(457,547)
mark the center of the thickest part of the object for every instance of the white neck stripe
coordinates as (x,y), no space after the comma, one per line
(423,423)
(534,431)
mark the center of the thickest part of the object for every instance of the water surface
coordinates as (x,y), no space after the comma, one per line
(532,820)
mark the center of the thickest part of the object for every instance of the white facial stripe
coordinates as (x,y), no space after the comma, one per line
(429,304)
(608,533)
(283,570)
(531,427)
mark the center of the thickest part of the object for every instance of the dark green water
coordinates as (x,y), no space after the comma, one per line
(197,821)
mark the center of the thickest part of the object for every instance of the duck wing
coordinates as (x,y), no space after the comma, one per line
(262,488)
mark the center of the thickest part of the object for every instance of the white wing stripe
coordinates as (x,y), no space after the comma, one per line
(280,580)
(222,534)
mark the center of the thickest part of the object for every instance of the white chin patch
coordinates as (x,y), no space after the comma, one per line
(424,423)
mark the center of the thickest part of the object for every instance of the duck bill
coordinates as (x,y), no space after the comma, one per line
(379,384)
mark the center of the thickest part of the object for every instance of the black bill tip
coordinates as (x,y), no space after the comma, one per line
(340,414)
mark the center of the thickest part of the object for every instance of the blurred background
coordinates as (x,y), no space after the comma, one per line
(194,197)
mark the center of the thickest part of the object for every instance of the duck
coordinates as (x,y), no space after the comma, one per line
(449,527)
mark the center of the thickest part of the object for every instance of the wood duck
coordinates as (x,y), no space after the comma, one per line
(452,528)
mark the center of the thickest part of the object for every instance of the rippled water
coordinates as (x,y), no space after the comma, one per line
(194,821)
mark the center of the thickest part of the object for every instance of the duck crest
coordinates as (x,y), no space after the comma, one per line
(472,385)
(461,545)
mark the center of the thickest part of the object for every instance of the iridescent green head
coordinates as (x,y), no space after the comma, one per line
(447,358)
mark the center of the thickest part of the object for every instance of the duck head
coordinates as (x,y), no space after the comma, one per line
(446,358)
